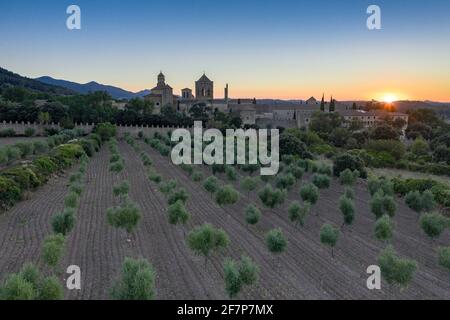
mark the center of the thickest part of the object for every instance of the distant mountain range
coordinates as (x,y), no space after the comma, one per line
(115,92)
(10,79)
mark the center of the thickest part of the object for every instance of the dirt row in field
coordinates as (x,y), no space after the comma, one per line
(345,276)
(23,227)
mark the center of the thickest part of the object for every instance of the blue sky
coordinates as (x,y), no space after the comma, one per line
(280,49)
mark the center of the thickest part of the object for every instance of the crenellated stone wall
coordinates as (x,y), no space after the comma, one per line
(20,127)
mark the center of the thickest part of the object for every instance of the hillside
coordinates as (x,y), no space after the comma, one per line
(115,92)
(8,78)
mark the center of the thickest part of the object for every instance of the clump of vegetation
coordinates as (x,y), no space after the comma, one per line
(349,161)
(433,224)
(297,213)
(211,185)
(178,213)
(167,187)
(329,236)
(197,176)
(29,284)
(137,281)
(347,209)
(271,197)
(231,173)
(309,193)
(395,270)
(420,202)
(125,216)
(275,241)
(376,184)
(155,177)
(249,184)
(285,181)
(237,275)
(382,204)
(64,222)
(178,195)
(227,195)
(444,257)
(348,177)
(71,200)
(321,181)
(53,249)
(384,228)
(205,239)
(252,214)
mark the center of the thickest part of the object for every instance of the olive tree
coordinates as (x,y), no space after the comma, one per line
(125,216)
(249,184)
(178,195)
(329,236)
(29,284)
(121,191)
(297,213)
(433,224)
(178,213)
(63,222)
(420,202)
(285,181)
(252,214)
(227,195)
(384,228)
(395,270)
(275,241)
(309,193)
(347,209)
(348,177)
(271,197)
(236,275)
(137,281)
(205,239)
(444,257)
(382,204)
(211,185)
(321,181)
(53,249)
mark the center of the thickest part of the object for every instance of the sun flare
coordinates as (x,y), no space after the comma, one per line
(389,98)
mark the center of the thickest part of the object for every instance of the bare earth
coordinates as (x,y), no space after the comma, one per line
(305,270)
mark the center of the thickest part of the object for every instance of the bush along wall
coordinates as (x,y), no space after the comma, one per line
(15,181)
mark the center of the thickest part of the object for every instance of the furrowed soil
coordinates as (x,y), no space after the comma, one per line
(306,270)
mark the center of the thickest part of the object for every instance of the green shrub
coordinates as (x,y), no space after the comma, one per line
(384,228)
(347,209)
(382,204)
(321,181)
(178,213)
(252,214)
(309,193)
(24,176)
(168,186)
(231,173)
(227,195)
(178,195)
(433,224)
(285,181)
(375,184)
(10,193)
(298,213)
(71,200)
(53,249)
(50,289)
(63,222)
(211,185)
(349,161)
(348,177)
(26,148)
(7,133)
(45,165)
(444,257)
(105,130)
(125,217)
(272,197)
(205,239)
(329,236)
(197,176)
(324,169)
(249,184)
(137,281)
(153,176)
(275,241)
(420,202)
(29,132)
(394,269)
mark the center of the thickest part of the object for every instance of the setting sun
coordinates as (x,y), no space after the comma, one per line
(389,98)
